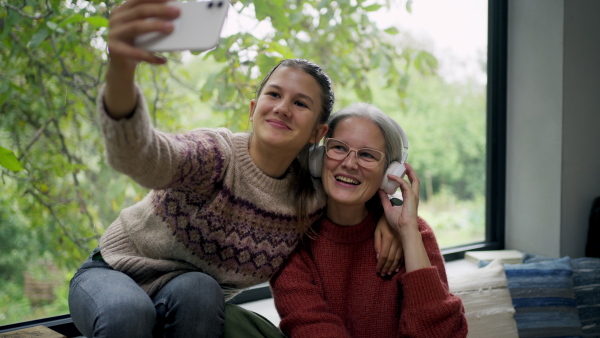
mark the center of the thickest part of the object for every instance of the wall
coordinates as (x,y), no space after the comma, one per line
(553,126)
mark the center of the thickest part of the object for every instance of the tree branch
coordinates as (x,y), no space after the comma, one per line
(36,17)
(57,219)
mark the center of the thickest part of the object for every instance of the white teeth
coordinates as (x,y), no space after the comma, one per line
(347,180)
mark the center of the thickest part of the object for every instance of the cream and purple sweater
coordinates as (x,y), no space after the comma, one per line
(211,208)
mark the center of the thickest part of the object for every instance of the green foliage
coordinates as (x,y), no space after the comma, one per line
(52,63)
(448,123)
(8,160)
(338,35)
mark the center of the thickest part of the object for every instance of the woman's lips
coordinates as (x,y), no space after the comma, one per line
(278,124)
(346,180)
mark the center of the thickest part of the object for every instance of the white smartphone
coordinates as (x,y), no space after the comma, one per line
(198,28)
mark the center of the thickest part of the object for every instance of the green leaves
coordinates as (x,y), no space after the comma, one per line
(8,160)
(97,21)
(52,61)
(392,31)
(38,37)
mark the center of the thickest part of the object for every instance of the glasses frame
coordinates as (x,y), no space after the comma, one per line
(350,149)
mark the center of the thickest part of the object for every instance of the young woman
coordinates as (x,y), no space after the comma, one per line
(225,211)
(328,288)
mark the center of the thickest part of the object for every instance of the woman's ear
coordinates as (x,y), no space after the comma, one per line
(252,107)
(320,131)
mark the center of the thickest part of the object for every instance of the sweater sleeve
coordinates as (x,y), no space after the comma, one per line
(300,301)
(428,308)
(158,160)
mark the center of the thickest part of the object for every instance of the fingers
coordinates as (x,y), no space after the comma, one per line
(413,178)
(134,18)
(385,201)
(415,183)
(383,263)
(378,239)
(389,262)
(396,265)
(138,54)
(133,3)
(146,10)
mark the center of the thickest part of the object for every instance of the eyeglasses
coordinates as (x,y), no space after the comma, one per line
(339,150)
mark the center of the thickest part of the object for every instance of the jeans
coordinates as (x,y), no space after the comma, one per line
(107,303)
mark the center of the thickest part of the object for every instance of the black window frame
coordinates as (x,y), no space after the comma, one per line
(495,169)
(496,134)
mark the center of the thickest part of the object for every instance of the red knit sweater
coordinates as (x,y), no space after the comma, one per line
(329,288)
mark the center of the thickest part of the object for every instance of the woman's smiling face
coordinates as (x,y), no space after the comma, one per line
(345,181)
(285,114)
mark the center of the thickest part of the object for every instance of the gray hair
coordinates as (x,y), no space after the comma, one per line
(390,129)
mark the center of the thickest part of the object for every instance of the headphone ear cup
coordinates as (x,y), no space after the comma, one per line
(397,169)
(315,160)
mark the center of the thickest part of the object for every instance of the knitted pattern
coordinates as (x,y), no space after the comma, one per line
(330,288)
(211,208)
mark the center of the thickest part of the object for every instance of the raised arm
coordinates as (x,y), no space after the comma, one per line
(428,308)
(126,22)
(152,158)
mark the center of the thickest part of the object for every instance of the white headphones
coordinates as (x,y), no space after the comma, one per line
(315,164)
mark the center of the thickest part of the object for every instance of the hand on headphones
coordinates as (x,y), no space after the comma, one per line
(403,218)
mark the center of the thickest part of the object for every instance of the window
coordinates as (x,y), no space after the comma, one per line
(31,219)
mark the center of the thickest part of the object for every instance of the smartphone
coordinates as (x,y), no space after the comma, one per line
(198,28)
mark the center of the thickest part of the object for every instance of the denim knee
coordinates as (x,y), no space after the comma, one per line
(107,303)
(191,304)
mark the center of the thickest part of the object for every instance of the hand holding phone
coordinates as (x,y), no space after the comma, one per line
(198,28)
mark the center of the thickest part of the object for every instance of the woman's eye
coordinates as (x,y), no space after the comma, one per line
(301,104)
(340,149)
(367,155)
(273,94)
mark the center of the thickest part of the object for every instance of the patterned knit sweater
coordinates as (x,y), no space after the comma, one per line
(211,208)
(328,288)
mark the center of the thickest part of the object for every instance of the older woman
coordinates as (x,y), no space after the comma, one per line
(328,288)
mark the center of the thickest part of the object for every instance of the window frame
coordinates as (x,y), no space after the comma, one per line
(496,134)
(495,169)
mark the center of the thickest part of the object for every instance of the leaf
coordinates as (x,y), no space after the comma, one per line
(277,3)
(207,90)
(282,50)
(409,6)
(12,19)
(38,38)
(52,25)
(264,63)
(9,161)
(392,31)
(373,8)
(426,63)
(55,5)
(97,21)
(261,9)
(75,18)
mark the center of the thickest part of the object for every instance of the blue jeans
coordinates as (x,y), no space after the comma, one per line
(107,303)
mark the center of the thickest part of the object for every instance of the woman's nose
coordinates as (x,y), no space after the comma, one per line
(351,161)
(283,108)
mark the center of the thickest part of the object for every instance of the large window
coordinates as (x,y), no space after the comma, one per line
(445,85)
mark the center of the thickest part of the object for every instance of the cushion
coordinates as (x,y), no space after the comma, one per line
(544,299)
(486,299)
(586,283)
